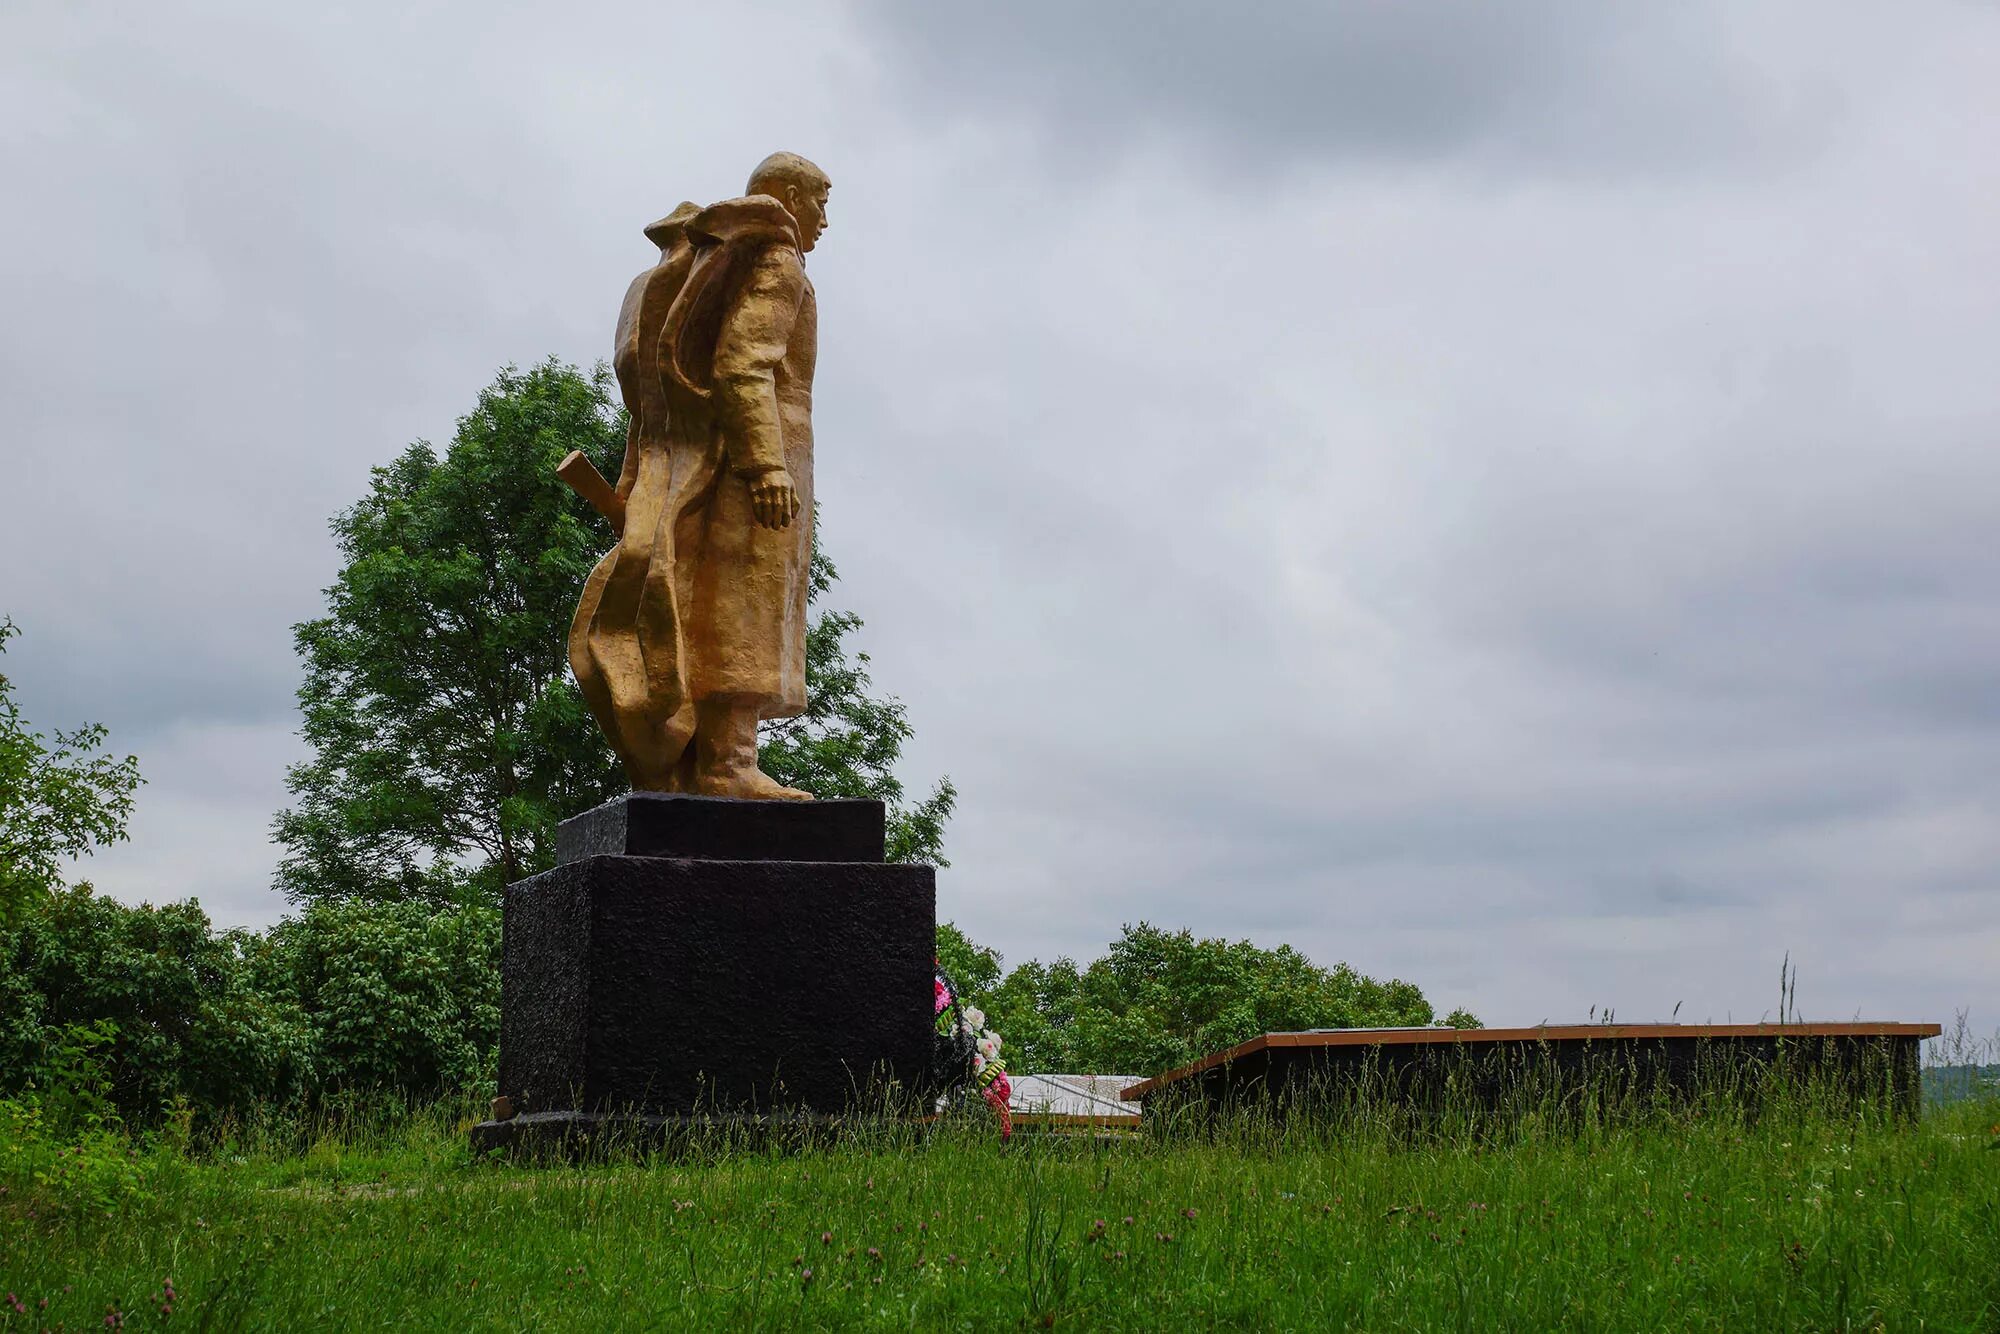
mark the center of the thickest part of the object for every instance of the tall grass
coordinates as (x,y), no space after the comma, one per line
(1793,1212)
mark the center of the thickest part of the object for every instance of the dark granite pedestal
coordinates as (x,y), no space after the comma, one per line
(709,961)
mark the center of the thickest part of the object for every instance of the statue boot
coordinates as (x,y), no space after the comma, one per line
(725,760)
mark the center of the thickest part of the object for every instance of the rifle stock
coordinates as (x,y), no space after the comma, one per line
(584,479)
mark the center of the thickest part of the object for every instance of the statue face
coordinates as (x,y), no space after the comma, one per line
(808,209)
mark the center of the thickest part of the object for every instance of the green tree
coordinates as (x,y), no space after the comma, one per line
(973,967)
(1158,999)
(61,797)
(448,737)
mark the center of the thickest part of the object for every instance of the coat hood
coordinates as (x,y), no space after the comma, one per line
(752,218)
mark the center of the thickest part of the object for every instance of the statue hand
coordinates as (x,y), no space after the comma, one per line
(774,500)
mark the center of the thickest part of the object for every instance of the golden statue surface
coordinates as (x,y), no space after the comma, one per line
(693,628)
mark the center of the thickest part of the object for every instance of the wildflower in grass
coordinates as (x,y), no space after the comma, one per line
(826,1239)
(874,1252)
(805,1277)
(1189,1213)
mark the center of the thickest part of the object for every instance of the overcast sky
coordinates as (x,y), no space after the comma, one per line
(1503,495)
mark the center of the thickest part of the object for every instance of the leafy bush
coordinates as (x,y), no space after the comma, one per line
(84,1170)
(344,999)
(169,995)
(62,1139)
(396,996)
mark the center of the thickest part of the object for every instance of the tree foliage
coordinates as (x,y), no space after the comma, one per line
(446,730)
(394,996)
(357,998)
(448,737)
(165,1002)
(975,968)
(61,797)
(1158,999)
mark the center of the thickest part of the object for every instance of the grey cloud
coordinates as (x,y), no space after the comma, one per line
(1553,86)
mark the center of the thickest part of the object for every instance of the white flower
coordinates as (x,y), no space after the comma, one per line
(978,1063)
(988,1048)
(975,1016)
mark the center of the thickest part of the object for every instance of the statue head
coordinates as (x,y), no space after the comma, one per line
(800,186)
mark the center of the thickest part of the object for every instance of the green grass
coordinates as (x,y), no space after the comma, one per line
(1797,1222)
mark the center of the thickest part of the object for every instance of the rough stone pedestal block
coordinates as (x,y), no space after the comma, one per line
(644,990)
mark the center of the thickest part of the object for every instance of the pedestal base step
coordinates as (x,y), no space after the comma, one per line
(571,1135)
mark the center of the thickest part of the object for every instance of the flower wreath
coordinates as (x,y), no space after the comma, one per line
(962,1029)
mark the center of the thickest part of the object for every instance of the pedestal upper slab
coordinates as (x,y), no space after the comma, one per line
(729,829)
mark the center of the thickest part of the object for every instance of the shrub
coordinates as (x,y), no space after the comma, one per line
(398,996)
(169,997)
(180,1020)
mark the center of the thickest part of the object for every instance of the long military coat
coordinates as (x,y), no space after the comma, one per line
(715,356)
